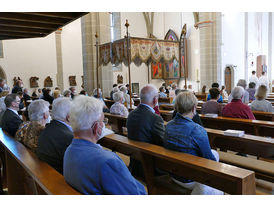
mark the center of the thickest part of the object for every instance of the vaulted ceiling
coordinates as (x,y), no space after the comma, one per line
(19,25)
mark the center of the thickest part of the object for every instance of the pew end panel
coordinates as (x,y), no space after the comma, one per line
(26,174)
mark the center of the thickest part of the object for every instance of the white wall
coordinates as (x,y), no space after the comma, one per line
(233,49)
(72,53)
(37,57)
(30,57)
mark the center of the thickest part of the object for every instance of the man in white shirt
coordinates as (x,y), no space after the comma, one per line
(263,80)
(254,78)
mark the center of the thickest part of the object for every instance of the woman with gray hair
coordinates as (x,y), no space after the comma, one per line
(87,166)
(183,135)
(261,104)
(29,132)
(127,97)
(118,107)
(67,93)
(245,97)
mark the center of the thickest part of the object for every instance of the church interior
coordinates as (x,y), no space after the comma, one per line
(182,55)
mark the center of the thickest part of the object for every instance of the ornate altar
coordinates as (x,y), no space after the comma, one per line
(72,81)
(162,55)
(48,82)
(33,82)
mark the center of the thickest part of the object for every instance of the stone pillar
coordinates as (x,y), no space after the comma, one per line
(210,49)
(269,69)
(59,75)
(92,23)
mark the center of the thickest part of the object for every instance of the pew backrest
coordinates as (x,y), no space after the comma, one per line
(227,178)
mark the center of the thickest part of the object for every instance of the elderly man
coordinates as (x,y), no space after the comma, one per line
(236,108)
(87,166)
(183,135)
(144,125)
(57,136)
(11,120)
(245,97)
(26,95)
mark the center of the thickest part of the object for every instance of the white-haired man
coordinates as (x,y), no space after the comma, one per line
(57,136)
(144,125)
(87,166)
(236,108)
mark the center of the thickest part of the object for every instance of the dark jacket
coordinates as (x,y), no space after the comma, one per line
(16,89)
(145,126)
(52,144)
(10,122)
(48,98)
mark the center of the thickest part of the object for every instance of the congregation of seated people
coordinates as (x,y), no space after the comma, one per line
(66,135)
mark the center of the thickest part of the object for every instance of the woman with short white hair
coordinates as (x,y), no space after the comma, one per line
(126,96)
(29,132)
(183,135)
(67,93)
(87,166)
(261,104)
(118,107)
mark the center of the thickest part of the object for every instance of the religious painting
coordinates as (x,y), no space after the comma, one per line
(156,70)
(171,70)
(48,82)
(171,35)
(33,82)
(72,81)
(135,88)
(119,79)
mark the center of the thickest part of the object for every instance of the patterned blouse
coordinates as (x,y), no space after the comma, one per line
(118,108)
(28,134)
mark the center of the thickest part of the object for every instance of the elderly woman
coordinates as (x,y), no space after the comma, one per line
(162,94)
(260,104)
(245,97)
(183,135)
(29,132)
(172,91)
(251,91)
(87,166)
(236,108)
(56,93)
(118,107)
(115,89)
(67,93)
(126,96)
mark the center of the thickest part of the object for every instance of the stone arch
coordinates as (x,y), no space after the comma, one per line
(3,74)
(229,78)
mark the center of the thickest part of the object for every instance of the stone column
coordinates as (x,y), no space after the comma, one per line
(210,49)
(92,23)
(60,73)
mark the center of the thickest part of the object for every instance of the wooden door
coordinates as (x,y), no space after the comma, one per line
(228,79)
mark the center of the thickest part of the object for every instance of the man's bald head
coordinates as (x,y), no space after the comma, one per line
(148,94)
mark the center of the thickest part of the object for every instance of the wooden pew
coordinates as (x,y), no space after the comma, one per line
(252,145)
(201,96)
(117,122)
(109,103)
(248,144)
(167,100)
(26,174)
(166,107)
(166,115)
(253,127)
(230,179)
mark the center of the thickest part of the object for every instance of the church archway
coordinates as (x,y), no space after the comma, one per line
(3,74)
(229,78)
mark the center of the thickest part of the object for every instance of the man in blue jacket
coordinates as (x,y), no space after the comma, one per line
(87,166)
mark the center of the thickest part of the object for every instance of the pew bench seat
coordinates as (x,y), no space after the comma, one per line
(263,169)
